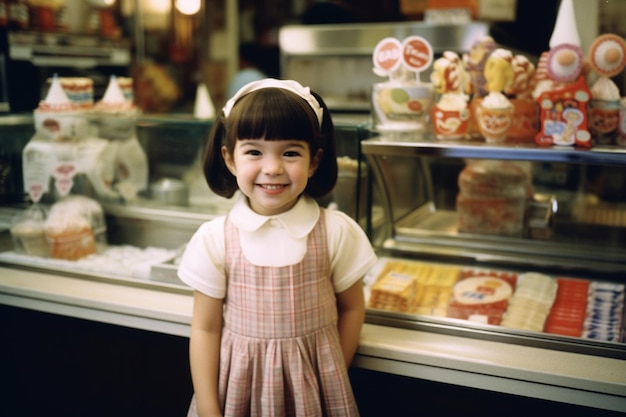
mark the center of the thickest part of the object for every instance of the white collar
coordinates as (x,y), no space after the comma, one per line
(298,221)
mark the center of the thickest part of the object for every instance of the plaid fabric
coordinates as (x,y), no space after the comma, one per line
(280,351)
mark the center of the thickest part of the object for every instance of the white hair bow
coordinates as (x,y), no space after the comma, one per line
(290,85)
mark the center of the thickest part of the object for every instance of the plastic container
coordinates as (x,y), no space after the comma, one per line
(492,198)
(75,228)
(28,231)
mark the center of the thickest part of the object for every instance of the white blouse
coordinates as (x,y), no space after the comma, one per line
(275,241)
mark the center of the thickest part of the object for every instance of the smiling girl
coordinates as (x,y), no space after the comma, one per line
(278,295)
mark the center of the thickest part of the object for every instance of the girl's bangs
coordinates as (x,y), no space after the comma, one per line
(273,117)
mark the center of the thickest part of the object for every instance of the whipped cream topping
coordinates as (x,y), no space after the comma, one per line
(56,99)
(452,101)
(496,100)
(605,89)
(114,98)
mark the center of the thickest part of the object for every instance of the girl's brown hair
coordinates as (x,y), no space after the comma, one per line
(272,114)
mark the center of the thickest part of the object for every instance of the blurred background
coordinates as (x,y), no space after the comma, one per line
(170,46)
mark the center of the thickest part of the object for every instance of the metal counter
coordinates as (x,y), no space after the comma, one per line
(521,370)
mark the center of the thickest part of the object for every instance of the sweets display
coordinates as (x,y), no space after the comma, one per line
(569,308)
(529,301)
(28,232)
(402,104)
(117,98)
(451,113)
(605,312)
(492,197)
(607,56)
(493,95)
(79,91)
(474,63)
(494,114)
(84,148)
(481,296)
(75,228)
(564,108)
(60,116)
(414,287)
(525,123)
(115,115)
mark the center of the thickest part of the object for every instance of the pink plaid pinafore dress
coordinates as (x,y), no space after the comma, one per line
(280,353)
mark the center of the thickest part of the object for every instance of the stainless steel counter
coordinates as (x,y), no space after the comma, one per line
(521,370)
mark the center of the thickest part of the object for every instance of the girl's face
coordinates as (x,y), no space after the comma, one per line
(271,173)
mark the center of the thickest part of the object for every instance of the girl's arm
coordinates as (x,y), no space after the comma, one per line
(351,314)
(204,352)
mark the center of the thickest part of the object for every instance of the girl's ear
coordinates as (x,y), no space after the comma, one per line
(229,161)
(315,162)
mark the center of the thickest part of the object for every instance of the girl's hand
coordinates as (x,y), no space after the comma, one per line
(204,352)
(351,315)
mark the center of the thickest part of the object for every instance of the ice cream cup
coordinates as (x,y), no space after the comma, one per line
(604,121)
(450,124)
(525,124)
(401,106)
(494,123)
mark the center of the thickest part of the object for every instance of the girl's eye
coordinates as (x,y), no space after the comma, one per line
(253,152)
(291,154)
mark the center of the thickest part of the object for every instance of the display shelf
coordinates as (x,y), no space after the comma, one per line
(604,155)
(574,244)
(429,315)
(589,236)
(464,328)
(576,229)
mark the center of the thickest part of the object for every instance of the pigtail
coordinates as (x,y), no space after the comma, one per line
(216,173)
(325,177)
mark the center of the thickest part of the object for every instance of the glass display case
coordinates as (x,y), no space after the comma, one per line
(151,229)
(469,272)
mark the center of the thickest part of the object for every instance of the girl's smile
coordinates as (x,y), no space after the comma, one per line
(271,173)
(272,187)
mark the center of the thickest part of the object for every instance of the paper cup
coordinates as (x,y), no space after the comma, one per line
(494,124)
(451,124)
(604,121)
(525,124)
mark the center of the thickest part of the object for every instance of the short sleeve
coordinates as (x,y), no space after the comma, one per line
(202,263)
(351,253)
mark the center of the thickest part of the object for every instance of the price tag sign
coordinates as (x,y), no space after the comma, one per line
(417,54)
(387,55)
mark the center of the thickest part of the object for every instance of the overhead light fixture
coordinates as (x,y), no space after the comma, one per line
(188,7)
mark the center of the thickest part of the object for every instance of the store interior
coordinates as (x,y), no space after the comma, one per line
(83,338)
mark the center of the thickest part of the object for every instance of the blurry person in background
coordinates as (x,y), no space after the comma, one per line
(251,56)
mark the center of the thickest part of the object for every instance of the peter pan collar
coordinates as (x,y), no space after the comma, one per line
(299,221)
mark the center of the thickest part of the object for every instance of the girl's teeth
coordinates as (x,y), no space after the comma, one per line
(272,187)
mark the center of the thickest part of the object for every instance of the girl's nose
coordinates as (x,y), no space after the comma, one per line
(273,166)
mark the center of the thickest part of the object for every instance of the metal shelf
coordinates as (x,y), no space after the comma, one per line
(602,155)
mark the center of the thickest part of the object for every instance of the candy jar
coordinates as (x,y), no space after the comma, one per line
(451,112)
(495,111)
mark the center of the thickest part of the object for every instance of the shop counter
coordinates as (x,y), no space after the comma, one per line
(572,378)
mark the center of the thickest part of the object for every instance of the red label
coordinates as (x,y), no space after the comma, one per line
(417,53)
(387,54)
